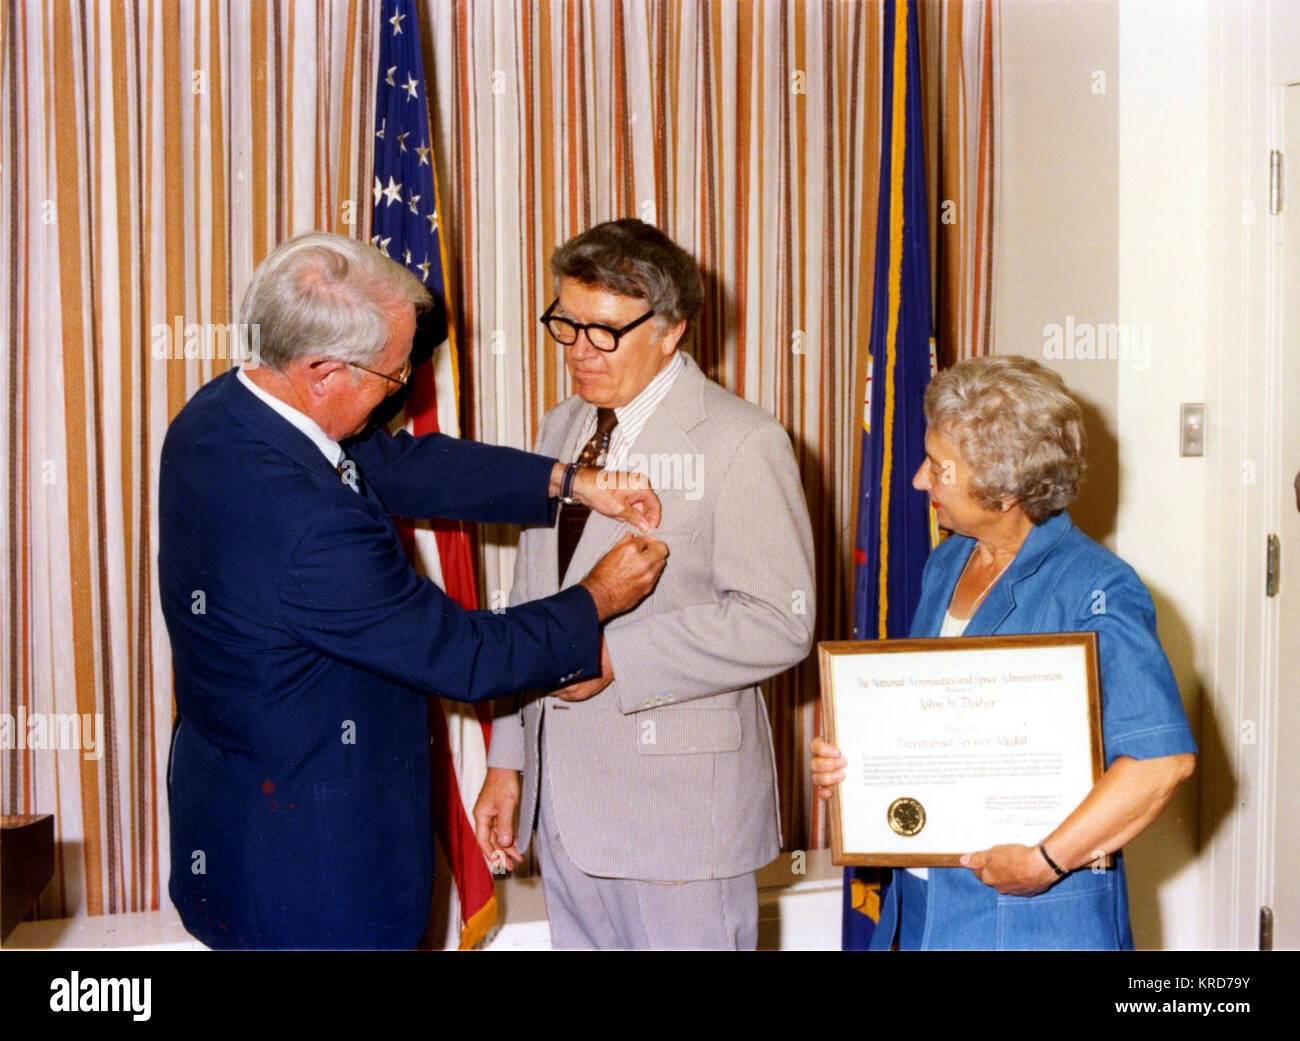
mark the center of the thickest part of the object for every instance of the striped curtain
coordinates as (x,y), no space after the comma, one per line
(153,152)
(750,132)
(958,54)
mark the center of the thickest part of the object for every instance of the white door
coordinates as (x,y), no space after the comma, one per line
(1286,804)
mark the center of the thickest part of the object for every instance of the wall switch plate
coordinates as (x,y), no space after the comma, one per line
(1191,427)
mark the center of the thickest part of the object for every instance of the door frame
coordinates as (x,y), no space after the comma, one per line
(1254,54)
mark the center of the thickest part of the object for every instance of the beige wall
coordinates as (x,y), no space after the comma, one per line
(1101,217)
(1056,212)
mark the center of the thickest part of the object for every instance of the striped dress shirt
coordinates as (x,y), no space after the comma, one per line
(632,417)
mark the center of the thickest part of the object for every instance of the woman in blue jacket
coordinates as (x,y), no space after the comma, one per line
(1005,449)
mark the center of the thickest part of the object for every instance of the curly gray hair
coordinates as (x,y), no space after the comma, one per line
(1018,429)
(327,295)
(632,258)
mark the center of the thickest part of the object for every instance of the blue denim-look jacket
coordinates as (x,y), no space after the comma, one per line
(1060,581)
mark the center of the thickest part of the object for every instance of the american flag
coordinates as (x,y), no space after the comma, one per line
(405,227)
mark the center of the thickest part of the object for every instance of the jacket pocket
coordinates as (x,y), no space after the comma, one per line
(688,731)
(1080,913)
(376,860)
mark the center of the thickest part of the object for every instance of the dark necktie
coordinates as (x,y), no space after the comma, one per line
(573,516)
(349,474)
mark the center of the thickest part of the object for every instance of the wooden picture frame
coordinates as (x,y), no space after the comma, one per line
(990,727)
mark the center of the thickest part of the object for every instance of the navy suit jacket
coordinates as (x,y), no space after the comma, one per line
(304,646)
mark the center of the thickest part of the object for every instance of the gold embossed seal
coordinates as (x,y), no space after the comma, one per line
(906,817)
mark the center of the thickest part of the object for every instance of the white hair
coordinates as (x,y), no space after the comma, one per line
(327,295)
(1016,426)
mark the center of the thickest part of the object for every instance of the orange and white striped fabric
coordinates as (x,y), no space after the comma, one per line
(154,150)
(959,52)
(750,133)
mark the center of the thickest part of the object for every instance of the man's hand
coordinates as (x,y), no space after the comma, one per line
(1011,869)
(585,689)
(624,576)
(828,766)
(494,818)
(623,496)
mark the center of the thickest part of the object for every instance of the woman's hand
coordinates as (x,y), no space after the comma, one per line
(1120,806)
(828,767)
(1011,869)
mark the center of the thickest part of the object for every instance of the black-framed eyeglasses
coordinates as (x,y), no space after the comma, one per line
(398,381)
(602,337)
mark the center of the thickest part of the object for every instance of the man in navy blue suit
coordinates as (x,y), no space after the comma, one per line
(304,644)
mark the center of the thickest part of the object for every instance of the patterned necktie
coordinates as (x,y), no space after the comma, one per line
(349,474)
(573,517)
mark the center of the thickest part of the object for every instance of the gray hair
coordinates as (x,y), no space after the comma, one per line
(327,295)
(1018,429)
(632,258)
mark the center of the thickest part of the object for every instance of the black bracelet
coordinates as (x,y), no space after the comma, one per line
(566,485)
(1050,862)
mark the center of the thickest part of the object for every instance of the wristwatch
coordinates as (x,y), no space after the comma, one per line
(566,485)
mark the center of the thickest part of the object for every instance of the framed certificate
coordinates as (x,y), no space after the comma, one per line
(958,744)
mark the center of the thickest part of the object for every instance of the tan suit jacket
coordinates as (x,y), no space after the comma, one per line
(667,774)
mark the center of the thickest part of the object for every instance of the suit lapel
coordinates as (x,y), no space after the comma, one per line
(1001,599)
(993,610)
(273,429)
(681,410)
(931,609)
(278,432)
